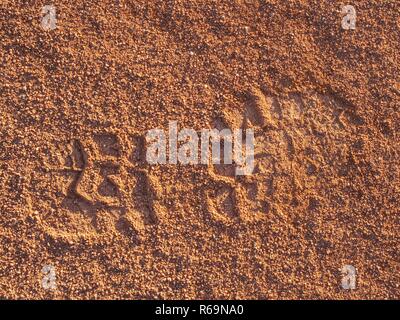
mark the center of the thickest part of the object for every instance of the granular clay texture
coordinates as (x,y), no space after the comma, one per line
(78,196)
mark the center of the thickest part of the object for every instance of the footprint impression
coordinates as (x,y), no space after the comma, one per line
(100,186)
(290,136)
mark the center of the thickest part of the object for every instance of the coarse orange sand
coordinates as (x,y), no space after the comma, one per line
(78,195)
